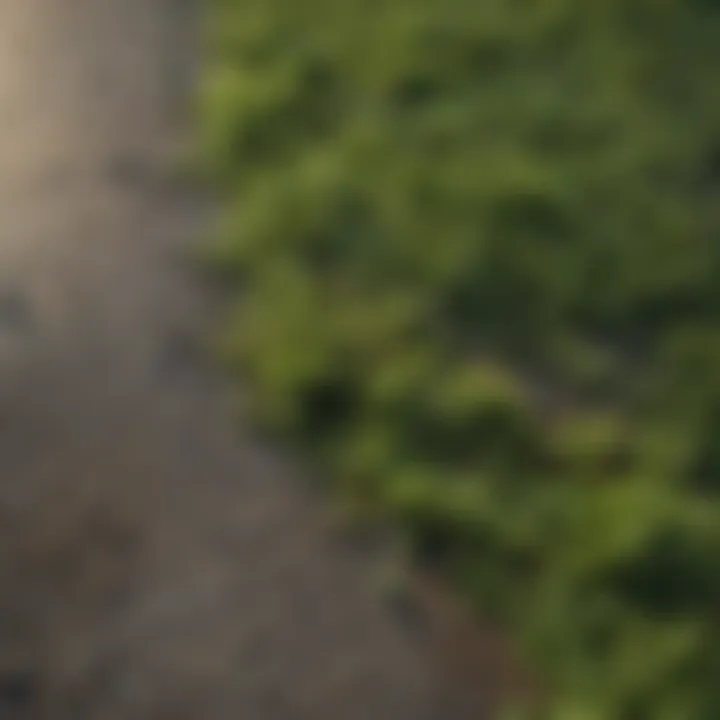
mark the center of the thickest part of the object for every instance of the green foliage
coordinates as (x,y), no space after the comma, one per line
(476,247)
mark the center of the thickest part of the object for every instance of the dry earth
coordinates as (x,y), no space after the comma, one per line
(155,560)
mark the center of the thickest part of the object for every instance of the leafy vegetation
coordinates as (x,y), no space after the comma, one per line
(476,254)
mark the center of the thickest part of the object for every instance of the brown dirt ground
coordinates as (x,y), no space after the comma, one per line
(155,561)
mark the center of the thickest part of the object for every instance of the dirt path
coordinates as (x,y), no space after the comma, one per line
(153,562)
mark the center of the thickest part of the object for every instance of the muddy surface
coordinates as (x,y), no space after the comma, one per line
(155,561)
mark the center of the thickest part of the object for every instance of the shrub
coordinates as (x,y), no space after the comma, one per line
(477,259)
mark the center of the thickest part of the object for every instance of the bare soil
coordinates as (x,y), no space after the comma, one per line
(156,562)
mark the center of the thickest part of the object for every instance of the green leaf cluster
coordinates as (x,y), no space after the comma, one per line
(475,253)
